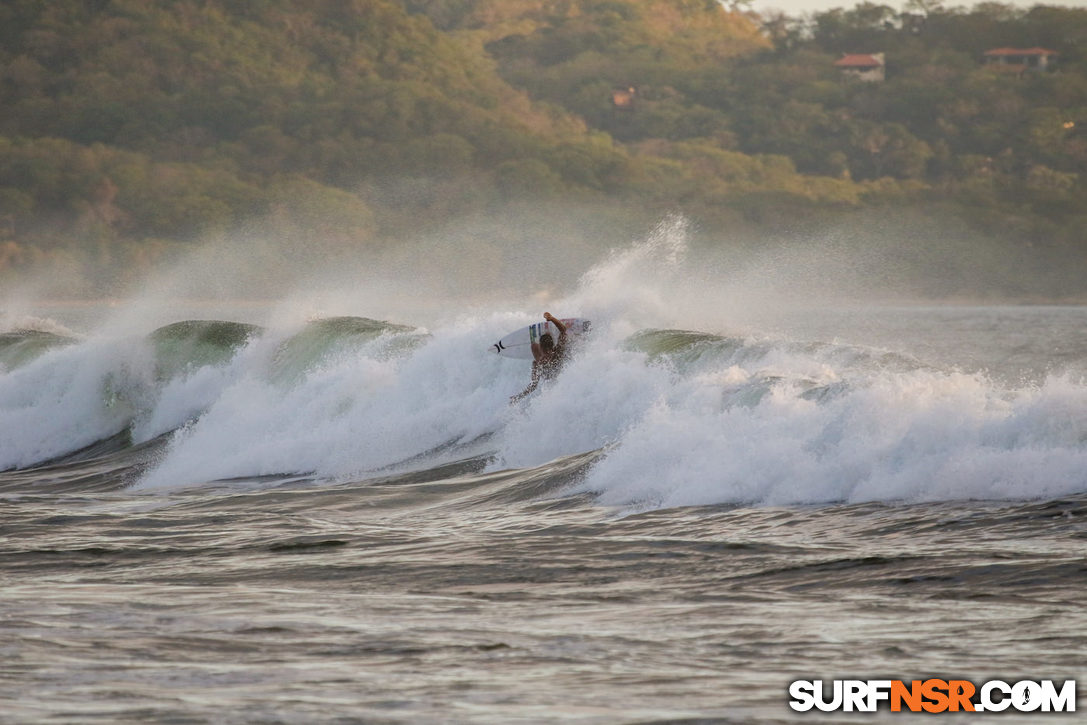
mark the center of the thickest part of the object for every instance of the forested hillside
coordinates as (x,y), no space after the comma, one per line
(130,129)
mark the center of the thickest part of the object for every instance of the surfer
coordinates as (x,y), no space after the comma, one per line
(547,356)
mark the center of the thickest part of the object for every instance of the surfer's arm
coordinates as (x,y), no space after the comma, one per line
(557,323)
(524,392)
(533,384)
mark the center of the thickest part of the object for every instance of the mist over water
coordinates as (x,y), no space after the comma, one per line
(749,472)
(690,397)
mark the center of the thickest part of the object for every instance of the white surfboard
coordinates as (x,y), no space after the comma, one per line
(518,344)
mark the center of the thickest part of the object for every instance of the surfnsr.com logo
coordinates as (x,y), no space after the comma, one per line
(933,695)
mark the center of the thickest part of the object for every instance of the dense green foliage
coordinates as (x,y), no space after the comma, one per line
(132,127)
(1011,145)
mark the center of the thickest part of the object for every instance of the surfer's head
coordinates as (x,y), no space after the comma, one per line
(547,343)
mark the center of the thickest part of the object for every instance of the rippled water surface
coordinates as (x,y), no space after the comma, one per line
(461,600)
(344,522)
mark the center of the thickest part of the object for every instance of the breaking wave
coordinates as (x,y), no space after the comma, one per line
(668,417)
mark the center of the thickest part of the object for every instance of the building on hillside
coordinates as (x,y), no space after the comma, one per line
(864,67)
(624,97)
(1020,60)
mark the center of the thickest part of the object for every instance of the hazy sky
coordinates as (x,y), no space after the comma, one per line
(796,7)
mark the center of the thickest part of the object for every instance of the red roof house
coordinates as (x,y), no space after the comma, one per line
(1017,60)
(863,66)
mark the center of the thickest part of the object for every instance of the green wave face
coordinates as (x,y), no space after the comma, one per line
(19,347)
(666,342)
(185,346)
(681,348)
(332,337)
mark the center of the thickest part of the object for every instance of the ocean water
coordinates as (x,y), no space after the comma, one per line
(342,519)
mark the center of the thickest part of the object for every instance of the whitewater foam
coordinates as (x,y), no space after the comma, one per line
(65,399)
(921,436)
(357,410)
(680,416)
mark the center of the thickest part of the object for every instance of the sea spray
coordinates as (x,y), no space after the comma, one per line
(69,397)
(672,413)
(918,436)
(357,409)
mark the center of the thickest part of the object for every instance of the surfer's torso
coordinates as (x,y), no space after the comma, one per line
(548,366)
